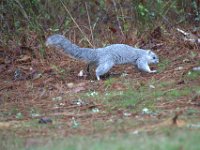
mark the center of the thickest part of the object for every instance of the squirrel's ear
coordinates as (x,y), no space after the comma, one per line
(149,51)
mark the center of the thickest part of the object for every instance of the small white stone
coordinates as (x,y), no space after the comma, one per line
(152,86)
(95,110)
(124,74)
(179,68)
(135,132)
(146,111)
(70,85)
(62,104)
(80,73)
(127,114)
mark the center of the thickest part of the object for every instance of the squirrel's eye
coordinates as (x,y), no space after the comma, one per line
(154,57)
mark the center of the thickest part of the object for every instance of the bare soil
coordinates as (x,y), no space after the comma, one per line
(29,84)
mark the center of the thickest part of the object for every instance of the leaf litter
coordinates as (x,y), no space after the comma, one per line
(55,91)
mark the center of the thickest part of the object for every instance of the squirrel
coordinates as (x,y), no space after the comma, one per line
(105,58)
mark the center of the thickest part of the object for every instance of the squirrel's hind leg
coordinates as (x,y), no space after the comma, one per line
(103,68)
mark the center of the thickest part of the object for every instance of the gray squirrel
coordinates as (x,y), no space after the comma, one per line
(105,58)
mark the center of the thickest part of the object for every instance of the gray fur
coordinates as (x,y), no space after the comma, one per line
(105,58)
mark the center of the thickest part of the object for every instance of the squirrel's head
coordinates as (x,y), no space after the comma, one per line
(55,41)
(152,57)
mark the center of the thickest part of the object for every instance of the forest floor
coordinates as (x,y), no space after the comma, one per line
(43,101)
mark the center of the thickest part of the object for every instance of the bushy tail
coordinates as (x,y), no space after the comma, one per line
(59,41)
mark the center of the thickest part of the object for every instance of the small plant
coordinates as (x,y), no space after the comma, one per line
(123,98)
(34,113)
(193,75)
(19,115)
(92,94)
(108,83)
(163,65)
(59,70)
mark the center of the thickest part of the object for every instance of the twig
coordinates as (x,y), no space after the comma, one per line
(22,10)
(197,41)
(118,21)
(189,37)
(183,32)
(67,10)
(167,91)
(6,87)
(89,21)
(122,13)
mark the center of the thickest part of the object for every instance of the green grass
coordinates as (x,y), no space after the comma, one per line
(118,130)
(140,95)
(165,139)
(108,83)
(178,93)
(193,75)
(163,65)
(146,95)
(123,98)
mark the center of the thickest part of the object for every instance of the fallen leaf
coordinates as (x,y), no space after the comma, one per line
(4,125)
(25,58)
(77,89)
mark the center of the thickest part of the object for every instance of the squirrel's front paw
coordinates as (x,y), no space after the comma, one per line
(153,71)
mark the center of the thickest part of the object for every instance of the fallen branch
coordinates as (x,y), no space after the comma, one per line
(197,41)
(189,37)
(183,32)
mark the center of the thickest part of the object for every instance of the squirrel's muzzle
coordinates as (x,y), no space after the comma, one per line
(157,61)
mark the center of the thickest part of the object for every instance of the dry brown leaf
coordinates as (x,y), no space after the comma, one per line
(25,58)
(1,60)
(77,89)
(4,125)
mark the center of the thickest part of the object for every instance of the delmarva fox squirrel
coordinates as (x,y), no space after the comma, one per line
(105,58)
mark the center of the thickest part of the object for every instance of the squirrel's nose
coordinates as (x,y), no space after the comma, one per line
(156,61)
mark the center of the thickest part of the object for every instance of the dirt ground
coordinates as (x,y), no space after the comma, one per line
(32,89)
